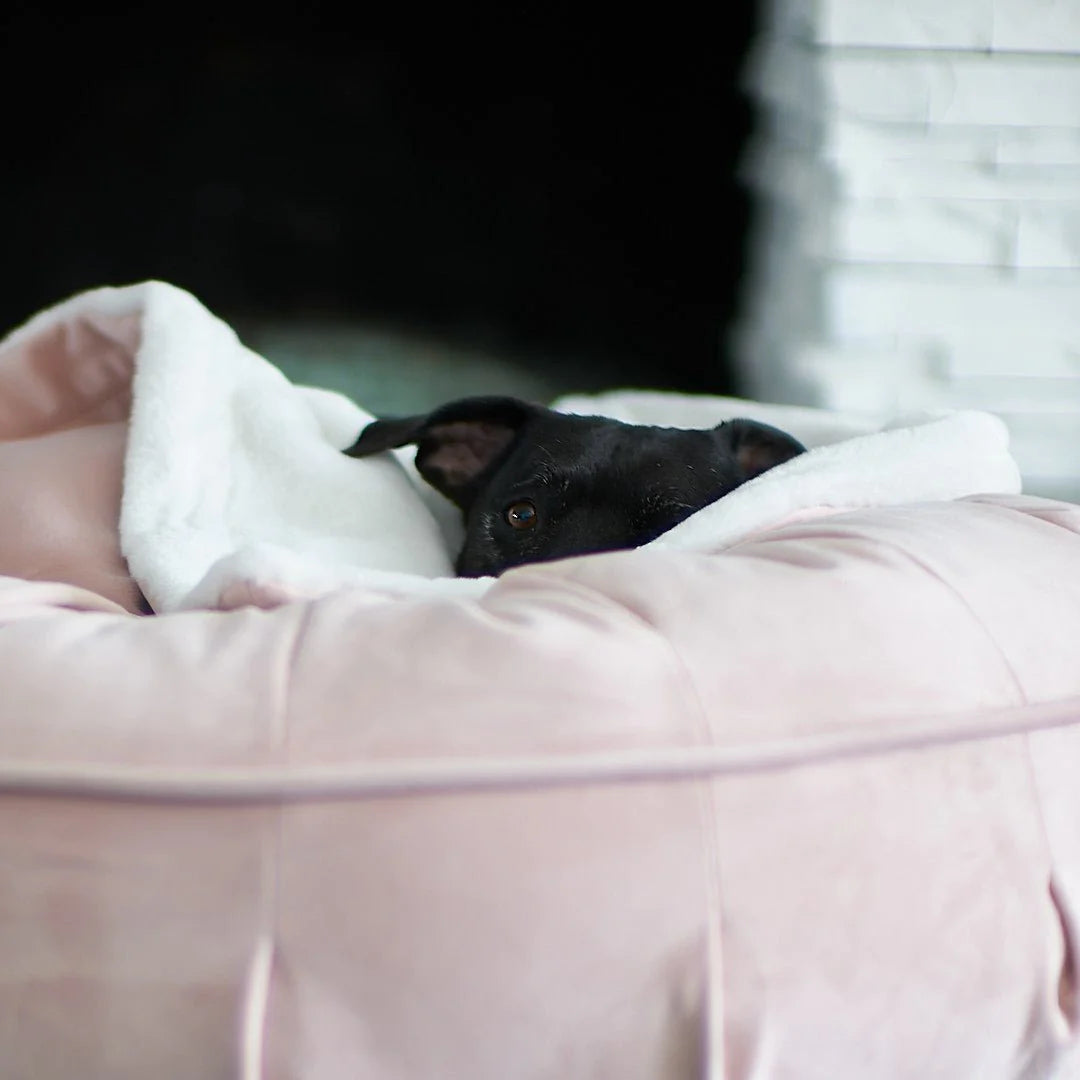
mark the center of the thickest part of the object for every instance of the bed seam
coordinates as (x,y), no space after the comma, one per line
(259,983)
(713,1041)
(966,605)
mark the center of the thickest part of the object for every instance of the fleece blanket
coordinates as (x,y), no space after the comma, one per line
(235,490)
(224,455)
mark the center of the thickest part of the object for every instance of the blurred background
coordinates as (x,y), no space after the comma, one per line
(534,206)
(916,175)
(864,206)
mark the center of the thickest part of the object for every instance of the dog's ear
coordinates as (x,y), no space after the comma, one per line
(756,447)
(456,444)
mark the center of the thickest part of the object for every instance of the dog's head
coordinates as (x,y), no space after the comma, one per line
(534,484)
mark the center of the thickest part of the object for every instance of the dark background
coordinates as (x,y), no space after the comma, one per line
(539,189)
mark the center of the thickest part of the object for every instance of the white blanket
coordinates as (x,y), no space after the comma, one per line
(226,456)
(236,492)
(852,462)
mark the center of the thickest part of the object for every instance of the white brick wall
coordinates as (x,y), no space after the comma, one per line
(971,25)
(917,237)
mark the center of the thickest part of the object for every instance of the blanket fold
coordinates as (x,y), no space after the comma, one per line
(235,490)
(223,453)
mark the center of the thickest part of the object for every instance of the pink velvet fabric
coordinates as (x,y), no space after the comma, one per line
(805,809)
(64,398)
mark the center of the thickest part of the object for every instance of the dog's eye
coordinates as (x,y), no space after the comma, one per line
(521,515)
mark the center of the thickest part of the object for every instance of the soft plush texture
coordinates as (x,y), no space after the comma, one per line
(803,806)
(851,462)
(222,451)
(235,490)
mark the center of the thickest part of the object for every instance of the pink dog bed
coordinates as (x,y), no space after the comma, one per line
(806,807)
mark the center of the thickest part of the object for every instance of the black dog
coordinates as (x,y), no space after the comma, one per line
(534,484)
